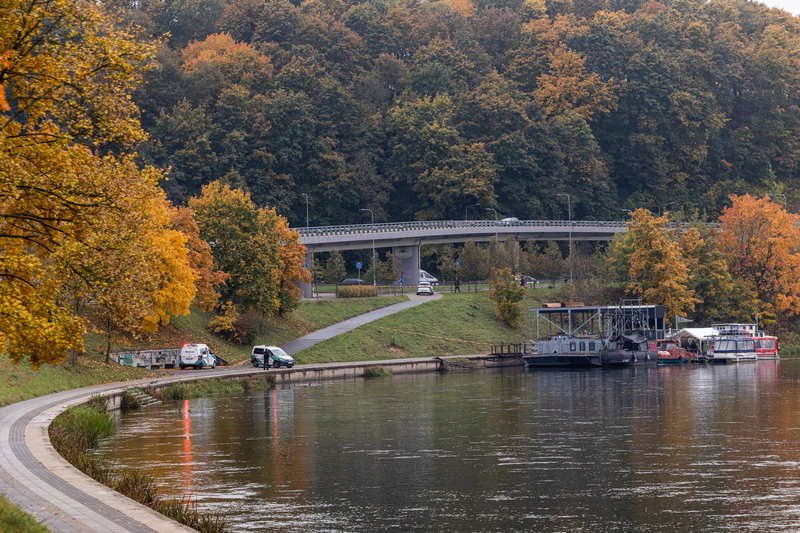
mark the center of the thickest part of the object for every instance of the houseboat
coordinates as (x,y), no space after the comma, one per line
(573,335)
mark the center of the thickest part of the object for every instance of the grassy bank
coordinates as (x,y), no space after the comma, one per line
(12,518)
(20,382)
(458,324)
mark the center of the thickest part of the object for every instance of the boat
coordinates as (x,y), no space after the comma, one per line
(728,349)
(626,348)
(670,352)
(767,347)
(574,335)
(565,351)
(702,341)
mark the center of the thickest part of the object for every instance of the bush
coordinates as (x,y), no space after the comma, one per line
(377,371)
(356,291)
(237,328)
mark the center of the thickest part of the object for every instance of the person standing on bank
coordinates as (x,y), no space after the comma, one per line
(457,285)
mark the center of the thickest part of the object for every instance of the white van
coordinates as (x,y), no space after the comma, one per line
(197,356)
(424,276)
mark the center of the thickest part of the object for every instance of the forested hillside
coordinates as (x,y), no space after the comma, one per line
(425,109)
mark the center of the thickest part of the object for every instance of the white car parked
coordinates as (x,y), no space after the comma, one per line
(424,288)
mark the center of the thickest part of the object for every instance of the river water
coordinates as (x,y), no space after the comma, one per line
(645,448)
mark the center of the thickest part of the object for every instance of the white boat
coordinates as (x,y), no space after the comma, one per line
(732,350)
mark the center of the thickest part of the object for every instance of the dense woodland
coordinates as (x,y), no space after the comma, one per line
(425,109)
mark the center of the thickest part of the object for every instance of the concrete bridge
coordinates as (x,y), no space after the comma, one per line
(405,238)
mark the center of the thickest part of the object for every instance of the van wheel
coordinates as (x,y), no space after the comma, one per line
(276,364)
(254,362)
(183,367)
(289,365)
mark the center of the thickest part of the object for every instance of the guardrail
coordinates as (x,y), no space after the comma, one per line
(390,227)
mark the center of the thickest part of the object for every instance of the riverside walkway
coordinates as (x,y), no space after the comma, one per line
(38,480)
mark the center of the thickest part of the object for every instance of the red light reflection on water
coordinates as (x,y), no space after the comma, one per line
(275,421)
(187,449)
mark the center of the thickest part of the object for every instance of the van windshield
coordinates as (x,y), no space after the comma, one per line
(279,352)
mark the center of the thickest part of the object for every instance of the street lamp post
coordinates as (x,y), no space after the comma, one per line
(781,195)
(306,197)
(569,215)
(374,266)
(493,210)
(661,206)
(466,210)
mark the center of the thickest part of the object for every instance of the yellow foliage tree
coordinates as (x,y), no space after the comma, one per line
(657,271)
(76,225)
(567,86)
(761,242)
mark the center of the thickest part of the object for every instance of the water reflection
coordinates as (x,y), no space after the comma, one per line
(644,448)
(187,449)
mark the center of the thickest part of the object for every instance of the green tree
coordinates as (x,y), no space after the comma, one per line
(474,262)
(244,247)
(334,268)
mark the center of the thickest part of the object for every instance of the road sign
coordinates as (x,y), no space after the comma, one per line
(305,266)
(458,261)
(358,265)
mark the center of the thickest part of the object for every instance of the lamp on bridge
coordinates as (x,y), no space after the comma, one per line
(569,215)
(306,197)
(466,210)
(374,266)
(771,194)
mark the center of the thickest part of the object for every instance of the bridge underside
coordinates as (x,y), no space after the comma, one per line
(363,241)
(405,238)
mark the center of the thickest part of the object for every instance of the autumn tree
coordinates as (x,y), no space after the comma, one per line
(209,279)
(656,269)
(760,241)
(254,247)
(79,222)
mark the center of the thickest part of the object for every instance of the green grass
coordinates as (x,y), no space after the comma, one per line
(458,324)
(14,520)
(20,382)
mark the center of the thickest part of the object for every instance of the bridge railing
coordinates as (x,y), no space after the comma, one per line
(356,229)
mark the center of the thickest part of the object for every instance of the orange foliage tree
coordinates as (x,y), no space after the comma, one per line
(761,242)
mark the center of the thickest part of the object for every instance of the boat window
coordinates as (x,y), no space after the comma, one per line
(591,346)
(583,346)
(572,347)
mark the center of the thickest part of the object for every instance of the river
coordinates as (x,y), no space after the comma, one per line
(645,448)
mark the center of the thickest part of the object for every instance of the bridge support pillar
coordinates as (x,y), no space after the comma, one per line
(408,256)
(308,288)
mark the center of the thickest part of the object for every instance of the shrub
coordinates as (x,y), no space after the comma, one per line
(129,401)
(237,328)
(356,291)
(377,371)
(78,429)
(507,292)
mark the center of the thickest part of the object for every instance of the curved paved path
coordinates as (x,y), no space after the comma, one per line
(43,484)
